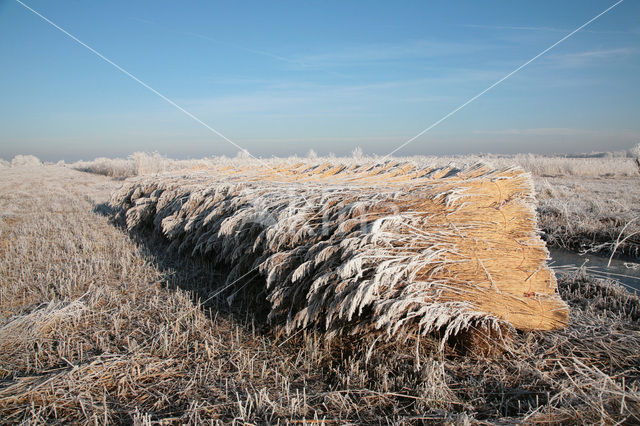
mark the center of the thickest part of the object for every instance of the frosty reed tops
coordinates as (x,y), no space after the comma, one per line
(390,248)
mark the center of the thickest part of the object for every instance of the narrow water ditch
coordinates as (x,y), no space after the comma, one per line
(625,271)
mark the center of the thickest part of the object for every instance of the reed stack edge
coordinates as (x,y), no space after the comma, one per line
(394,248)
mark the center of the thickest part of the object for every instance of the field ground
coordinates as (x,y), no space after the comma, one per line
(99,326)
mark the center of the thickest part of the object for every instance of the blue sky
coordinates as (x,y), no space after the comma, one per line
(281,78)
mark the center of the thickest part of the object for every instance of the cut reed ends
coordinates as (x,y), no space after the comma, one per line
(392,248)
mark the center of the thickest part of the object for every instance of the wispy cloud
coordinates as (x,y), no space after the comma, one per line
(383,52)
(559,132)
(298,99)
(540,131)
(535,28)
(211,39)
(604,53)
(306,138)
(578,59)
(291,61)
(516,28)
(309,98)
(239,47)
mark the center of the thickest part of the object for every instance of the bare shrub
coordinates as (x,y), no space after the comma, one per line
(243,154)
(113,167)
(357,154)
(635,153)
(26,160)
(140,163)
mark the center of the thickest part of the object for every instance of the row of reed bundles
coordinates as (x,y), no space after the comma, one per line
(393,248)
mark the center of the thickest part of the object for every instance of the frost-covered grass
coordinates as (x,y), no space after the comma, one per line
(606,165)
(591,214)
(610,165)
(98,326)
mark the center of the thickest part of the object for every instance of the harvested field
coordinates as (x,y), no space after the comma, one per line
(361,248)
(98,325)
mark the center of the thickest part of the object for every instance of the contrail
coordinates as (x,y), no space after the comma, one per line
(136,79)
(502,79)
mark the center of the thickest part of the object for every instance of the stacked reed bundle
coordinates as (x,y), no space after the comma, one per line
(356,248)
